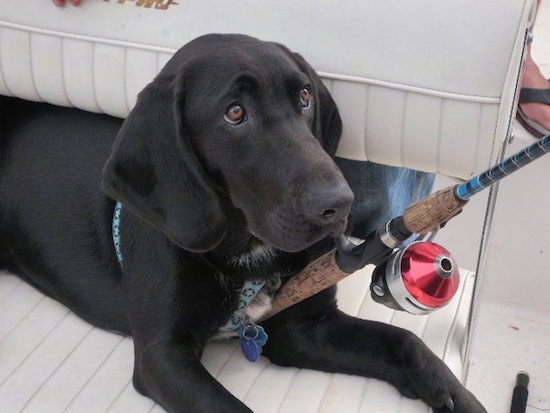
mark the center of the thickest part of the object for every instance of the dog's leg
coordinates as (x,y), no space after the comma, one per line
(174,305)
(171,374)
(337,342)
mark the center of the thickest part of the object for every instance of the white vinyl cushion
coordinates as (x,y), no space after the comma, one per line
(51,361)
(428,85)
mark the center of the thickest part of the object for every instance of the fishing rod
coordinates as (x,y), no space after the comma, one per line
(431,212)
(423,275)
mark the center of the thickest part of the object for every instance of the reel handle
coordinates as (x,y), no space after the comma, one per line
(316,277)
(433,211)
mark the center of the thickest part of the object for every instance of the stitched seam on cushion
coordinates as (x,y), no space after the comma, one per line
(42,340)
(11,330)
(442,112)
(64,73)
(454,324)
(32,67)
(366,121)
(2,68)
(56,369)
(99,367)
(92,39)
(410,88)
(402,140)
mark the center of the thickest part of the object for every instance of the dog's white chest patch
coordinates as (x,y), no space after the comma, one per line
(255,257)
(258,307)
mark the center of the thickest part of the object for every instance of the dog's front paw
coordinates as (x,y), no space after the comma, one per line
(442,391)
(431,380)
(444,394)
(459,400)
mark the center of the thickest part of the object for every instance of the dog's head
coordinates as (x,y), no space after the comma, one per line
(232,118)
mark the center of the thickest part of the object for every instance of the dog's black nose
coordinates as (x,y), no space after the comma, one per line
(330,204)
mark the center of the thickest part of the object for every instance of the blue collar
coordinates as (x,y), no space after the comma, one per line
(249,290)
(116,231)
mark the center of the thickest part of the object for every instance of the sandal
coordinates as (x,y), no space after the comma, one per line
(531,95)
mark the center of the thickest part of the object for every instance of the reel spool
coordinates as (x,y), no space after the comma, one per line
(419,278)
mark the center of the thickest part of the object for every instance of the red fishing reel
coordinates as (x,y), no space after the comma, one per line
(419,278)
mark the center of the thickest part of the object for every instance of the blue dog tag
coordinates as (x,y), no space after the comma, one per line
(253,338)
(250,349)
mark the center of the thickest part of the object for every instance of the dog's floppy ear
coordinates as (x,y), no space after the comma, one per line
(154,171)
(327,126)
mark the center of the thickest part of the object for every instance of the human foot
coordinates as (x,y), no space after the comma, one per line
(534,100)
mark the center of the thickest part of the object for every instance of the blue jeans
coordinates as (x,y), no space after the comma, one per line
(381,192)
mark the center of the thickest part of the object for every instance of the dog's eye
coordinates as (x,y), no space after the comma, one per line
(305,98)
(235,114)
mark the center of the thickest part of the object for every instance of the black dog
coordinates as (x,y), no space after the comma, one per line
(225,175)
